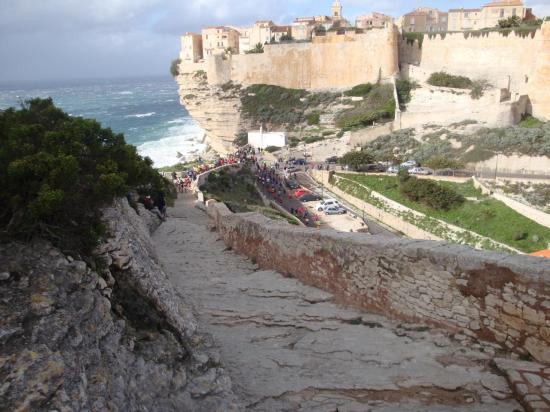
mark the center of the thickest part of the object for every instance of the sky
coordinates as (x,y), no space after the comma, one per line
(86,39)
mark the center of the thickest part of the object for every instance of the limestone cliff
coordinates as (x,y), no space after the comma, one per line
(114,339)
(215,108)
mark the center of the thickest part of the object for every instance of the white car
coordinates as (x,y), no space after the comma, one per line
(420,171)
(393,169)
(408,164)
(323,204)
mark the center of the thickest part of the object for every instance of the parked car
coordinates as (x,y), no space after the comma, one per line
(323,204)
(408,164)
(309,197)
(420,171)
(300,192)
(335,210)
(393,169)
(332,160)
(292,184)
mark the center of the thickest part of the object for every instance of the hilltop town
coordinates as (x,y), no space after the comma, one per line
(242,40)
(500,49)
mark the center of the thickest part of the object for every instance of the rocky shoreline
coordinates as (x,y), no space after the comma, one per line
(121,339)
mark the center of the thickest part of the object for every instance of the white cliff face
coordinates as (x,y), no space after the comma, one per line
(216,109)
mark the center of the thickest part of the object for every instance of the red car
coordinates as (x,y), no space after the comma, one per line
(301,191)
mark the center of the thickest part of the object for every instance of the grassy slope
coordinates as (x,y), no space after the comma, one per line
(489,217)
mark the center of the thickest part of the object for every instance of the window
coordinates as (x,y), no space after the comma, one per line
(466,15)
(412,20)
(513,12)
(501,12)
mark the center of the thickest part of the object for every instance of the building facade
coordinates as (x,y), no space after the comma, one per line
(219,39)
(191,48)
(302,28)
(487,16)
(425,19)
(373,20)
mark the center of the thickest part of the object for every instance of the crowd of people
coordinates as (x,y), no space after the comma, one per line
(185,179)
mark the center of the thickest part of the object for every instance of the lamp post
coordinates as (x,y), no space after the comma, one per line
(496,165)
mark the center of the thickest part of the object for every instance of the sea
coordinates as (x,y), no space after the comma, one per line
(146,110)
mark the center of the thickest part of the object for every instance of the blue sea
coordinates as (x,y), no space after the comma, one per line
(146,110)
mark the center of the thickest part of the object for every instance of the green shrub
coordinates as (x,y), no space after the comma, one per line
(377,105)
(313,139)
(355,159)
(313,118)
(258,48)
(430,193)
(200,74)
(360,90)
(404,88)
(271,149)
(442,79)
(442,162)
(241,139)
(175,67)
(327,133)
(529,122)
(513,21)
(276,105)
(520,236)
(58,171)
(411,37)
(478,88)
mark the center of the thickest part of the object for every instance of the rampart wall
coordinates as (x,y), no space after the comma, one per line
(516,61)
(492,296)
(318,65)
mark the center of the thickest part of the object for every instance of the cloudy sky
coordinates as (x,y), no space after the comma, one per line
(72,39)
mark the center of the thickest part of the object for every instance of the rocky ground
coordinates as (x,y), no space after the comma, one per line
(116,339)
(288,346)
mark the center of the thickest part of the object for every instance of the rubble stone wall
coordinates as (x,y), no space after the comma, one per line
(492,296)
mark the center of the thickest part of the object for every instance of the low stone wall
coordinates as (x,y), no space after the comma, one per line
(492,296)
(530,212)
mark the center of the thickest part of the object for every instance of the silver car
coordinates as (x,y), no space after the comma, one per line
(335,210)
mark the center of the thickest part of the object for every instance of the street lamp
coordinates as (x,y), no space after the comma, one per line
(496,165)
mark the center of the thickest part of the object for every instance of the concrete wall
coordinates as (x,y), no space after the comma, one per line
(514,164)
(492,296)
(321,65)
(521,63)
(444,106)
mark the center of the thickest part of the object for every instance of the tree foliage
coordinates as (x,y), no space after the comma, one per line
(355,159)
(258,48)
(57,171)
(429,193)
(175,67)
(512,21)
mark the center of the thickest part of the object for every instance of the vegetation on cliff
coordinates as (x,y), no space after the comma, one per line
(175,67)
(377,105)
(460,149)
(57,171)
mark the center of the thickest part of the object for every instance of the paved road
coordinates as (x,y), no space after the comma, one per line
(374,227)
(289,347)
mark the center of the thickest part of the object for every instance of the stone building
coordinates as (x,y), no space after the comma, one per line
(373,20)
(302,28)
(424,19)
(219,39)
(487,16)
(191,48)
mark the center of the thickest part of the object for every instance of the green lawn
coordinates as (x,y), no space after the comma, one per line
(487,217)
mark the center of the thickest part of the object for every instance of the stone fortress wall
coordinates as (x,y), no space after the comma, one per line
(330,62)
(491,296)
(520,63)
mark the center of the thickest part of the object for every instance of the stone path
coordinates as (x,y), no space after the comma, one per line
(288,347)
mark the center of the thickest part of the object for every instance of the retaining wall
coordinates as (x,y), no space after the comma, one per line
(492,296)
